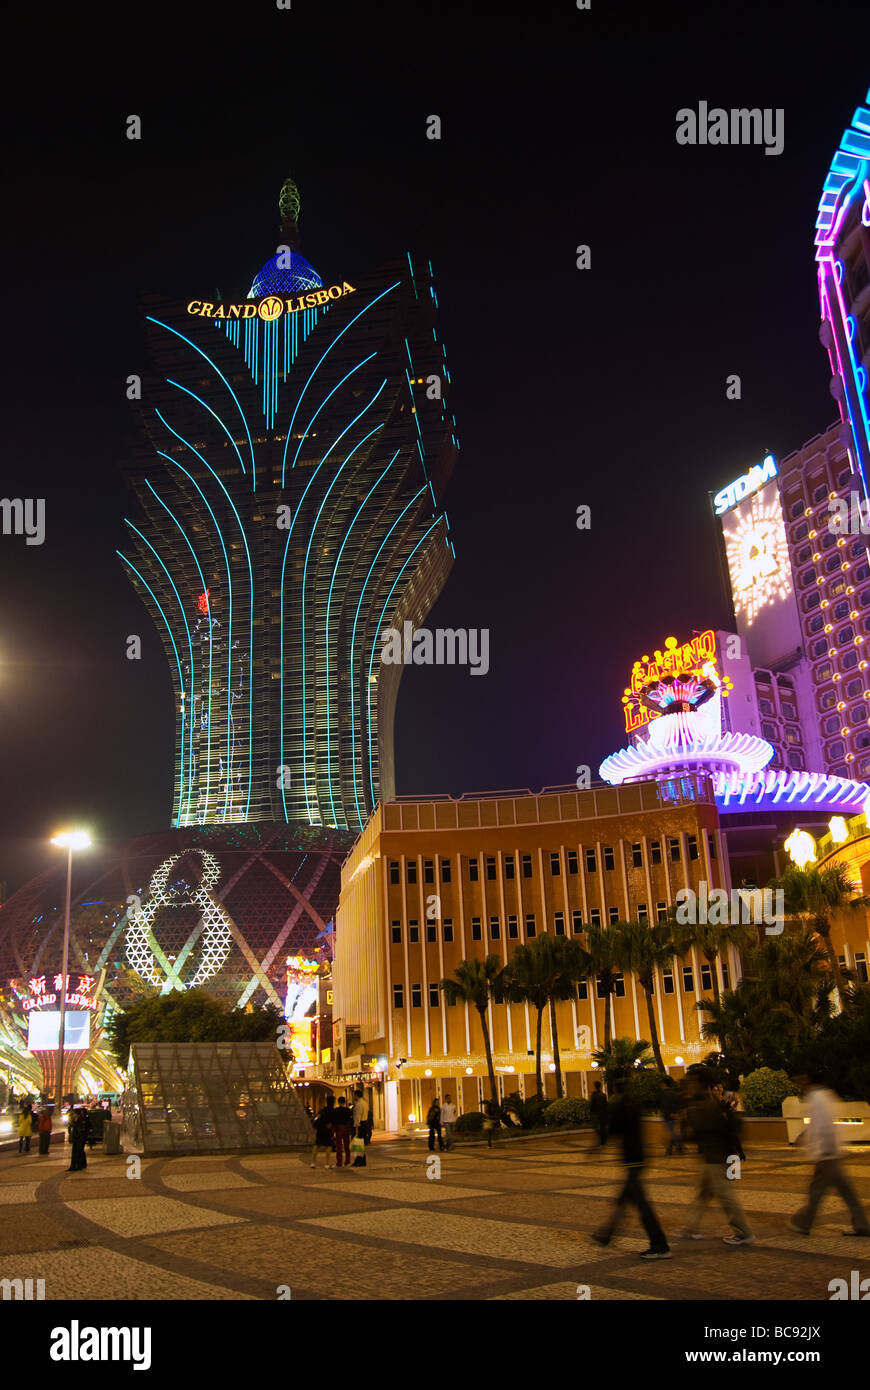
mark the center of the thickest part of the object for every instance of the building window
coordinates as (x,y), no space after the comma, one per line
(706,977)
(637,857)
(428,871)
(796,762)
(476,933)
(582,989)
(614,914)
(416,996)
(398,997)
(711,840)
(434,993)
(572,861)
(693,846)
(432,933)
(577,920)
(559,923)
(394,871)
(509,871)
(619,986)
(473,870)
(609,862)
(490,866)
(688,980)
(801,532)
(661,912)
(725,977)
(448,928)
(555,864)
(816,623)
(591,866)
(674,849)
(849,660)
(655,851)
(668,981)
(445,870)
(397,933)
(595,916)
(599,986)
(861,967)
(494,929)
(531,929)
(412,871)
(642,913)
(513,927)
(413,931)
(527,866)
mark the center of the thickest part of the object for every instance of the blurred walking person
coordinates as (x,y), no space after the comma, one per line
(713,1132)
(25,1127)
(342,1121)
(448,1120)
(79,1128)
(671,1105)
(433,1120)
(323,1141)
(598,1111)
(825,1148)
(360,1115)
(625,1120)
(44,1126)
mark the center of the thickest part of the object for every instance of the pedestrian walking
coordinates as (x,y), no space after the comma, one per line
(598,1111)
(78,1136)
(624,1119)
(433,1120)
(448,1120)
(360,1115)
(710,1128)
(671,1105)
(342,1122)
(25,1127)
(323,1133)
(44,1126)
(825,1148)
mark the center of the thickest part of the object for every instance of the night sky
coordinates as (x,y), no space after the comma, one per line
(604,387)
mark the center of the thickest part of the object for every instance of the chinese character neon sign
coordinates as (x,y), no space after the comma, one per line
(79,992)
(697,657)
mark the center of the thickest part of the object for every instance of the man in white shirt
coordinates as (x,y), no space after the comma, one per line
(448,1120)
(825,1149)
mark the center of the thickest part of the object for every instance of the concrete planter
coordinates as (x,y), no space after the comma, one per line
(756,1130)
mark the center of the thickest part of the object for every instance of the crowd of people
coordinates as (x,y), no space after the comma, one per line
(702,1111)
(342,1129)
(85,1127)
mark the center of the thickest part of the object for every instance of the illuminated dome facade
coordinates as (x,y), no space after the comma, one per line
(285,273)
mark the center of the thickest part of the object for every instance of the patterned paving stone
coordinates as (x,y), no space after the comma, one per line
(337,1269)
(16,1192)
(104,1274)
(147,1215)
(472,1235)
(435,1191)
(205,1182)
(568,1292)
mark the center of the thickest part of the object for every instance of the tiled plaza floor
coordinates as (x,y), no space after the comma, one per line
(510,1223)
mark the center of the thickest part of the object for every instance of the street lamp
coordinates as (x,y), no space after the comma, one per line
(69,840)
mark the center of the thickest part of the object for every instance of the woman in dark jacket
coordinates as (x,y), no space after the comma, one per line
(78,1136)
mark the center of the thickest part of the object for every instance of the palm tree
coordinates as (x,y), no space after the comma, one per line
(710,940)
(814,895)
(476,982)
(599,944)
(571,963)
(527,980)
(641,948)
(622,1057)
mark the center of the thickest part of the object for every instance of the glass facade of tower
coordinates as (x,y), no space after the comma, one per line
(299,442)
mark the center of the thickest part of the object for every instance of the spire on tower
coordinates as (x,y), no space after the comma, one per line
(288,206)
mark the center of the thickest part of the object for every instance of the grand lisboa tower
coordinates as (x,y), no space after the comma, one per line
(296,442)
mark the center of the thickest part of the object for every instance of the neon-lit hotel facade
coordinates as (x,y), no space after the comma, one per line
(843,257)
(290,499)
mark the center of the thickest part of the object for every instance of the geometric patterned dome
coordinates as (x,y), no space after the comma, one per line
(220,907)
(292,278)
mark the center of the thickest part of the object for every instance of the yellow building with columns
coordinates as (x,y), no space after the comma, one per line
(431,882)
